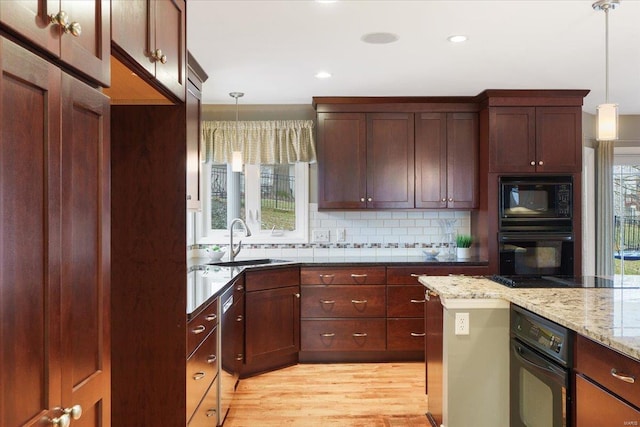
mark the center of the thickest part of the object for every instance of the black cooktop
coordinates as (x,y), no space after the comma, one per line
(555,282)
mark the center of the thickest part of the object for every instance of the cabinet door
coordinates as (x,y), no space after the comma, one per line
(597,407)
(193,146)
(169,35)
(462,160)
(390,160)
(88,52)
(558,139)
(30,19)
(131,30)
(272,328)
(433,355)
(85,257)
(431,161)
(30,359)
(341,161)
(512,138)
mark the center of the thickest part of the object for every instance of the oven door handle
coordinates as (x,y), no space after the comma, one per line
(520,351)
(520,237)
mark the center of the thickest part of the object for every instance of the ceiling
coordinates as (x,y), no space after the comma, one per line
(271,50)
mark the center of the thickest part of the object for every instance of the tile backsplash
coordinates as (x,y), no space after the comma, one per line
(366,233)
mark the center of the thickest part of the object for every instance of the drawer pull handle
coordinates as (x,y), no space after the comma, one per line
(239,357)
(328,335)
(327,301)
(622,377)
(212,359)
(358,276)
(239,318)
(327,276)
(418,301)
(239,288)
(211,413)
(199,329)
(199,375)
(416,275)
(418,334)
(358,301)
(359,334)
(211,317)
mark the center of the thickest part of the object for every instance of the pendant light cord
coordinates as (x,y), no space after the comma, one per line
(606,54)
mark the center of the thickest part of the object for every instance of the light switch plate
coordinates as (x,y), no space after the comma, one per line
(341,235)
(320,235)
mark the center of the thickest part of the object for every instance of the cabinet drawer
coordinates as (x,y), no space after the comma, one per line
(343,276)
(343,301)
(405,301)
(201,326)
(405,334)
(601,363)
(202,368)
(343,335)
(597,407)
(272,279)
(404,275)
(207,413)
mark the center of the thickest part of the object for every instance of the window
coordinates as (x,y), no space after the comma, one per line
(272,199)
(626,206)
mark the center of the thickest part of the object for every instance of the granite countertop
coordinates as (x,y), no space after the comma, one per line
(206,281)
(608,316)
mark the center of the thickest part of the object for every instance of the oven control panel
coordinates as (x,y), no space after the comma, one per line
(540,333)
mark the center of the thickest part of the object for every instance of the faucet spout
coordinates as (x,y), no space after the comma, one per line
(233,252)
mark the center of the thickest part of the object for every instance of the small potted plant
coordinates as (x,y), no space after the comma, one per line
(463,246)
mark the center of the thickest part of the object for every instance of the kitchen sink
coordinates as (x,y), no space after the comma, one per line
(246,262)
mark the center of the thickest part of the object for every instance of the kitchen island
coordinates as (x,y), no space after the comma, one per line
(608,318)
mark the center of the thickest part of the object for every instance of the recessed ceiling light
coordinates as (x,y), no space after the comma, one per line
(457,39)
(326,1)
(322,75)
(379,38)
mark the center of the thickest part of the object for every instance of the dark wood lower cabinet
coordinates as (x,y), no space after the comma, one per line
(433,355)
(597,407)
(272,320)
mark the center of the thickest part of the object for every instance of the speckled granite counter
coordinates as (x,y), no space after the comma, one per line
(608,316)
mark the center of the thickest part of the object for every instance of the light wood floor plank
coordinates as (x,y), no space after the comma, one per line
(337,395)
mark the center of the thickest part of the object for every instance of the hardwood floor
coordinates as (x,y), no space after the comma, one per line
(337,395)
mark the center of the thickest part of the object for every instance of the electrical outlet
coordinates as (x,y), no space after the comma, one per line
(462,324)
(341,235)
(320,235)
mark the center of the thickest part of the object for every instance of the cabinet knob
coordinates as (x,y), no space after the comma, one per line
(62,19)
(444,199)
(362,199)
(533,163)
(297,295)
(64,420)
(540,163)
(369,199)
(451,199)
(157,55)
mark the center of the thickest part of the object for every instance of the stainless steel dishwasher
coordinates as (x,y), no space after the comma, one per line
(231,307)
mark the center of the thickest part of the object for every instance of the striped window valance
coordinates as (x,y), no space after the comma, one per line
(261,142)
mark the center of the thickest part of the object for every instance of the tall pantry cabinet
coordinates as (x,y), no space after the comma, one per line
(54,244)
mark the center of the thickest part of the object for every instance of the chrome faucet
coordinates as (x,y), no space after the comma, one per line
(234,252)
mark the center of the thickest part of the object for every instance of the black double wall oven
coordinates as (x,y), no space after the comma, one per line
(536,226)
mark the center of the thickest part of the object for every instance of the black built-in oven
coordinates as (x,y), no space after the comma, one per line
(536,203)
(536,225)
(541,354)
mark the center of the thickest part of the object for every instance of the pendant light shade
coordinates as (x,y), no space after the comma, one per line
(607,117)
(236,155)
(607,122)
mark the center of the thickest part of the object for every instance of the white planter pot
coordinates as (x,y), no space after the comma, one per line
(463,253)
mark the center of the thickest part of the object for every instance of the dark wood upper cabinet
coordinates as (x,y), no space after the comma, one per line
(535,139)
(196,76)
(150,35)
(365,160)
(84,45)
(54,287)
(342,165)
(446,160)
(390,160)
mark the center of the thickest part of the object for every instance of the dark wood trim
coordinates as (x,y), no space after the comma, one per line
(360,356)
(396,107)
(195,67)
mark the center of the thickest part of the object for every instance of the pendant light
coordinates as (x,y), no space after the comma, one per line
(236,156)
(607,117)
